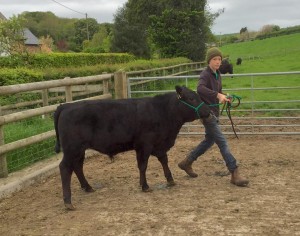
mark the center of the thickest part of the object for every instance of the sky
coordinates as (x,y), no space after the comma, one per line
(253,14)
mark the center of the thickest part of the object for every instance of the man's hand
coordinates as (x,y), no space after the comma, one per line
(222,98)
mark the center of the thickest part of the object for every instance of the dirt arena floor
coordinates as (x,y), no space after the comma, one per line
(207,205)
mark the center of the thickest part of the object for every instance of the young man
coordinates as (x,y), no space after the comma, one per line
(210,89)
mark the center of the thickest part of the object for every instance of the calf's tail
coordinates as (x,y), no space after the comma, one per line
(56,118)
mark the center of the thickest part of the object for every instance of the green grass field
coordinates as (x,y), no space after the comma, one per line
(22,157)
(278,54)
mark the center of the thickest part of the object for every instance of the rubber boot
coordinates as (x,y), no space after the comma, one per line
(186,165)
(237,179)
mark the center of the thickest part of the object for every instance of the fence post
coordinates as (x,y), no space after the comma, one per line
(45,97)
(105,85)
(68,90)
(69,94)
(120,81)
(3,163)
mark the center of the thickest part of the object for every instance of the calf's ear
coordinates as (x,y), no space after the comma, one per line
(178,89)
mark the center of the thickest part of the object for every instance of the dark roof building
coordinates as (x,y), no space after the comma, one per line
(30,40)
(2,17)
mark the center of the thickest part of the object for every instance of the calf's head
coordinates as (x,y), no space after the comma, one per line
(191,103)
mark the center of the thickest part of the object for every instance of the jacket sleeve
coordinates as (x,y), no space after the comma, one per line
(204,89)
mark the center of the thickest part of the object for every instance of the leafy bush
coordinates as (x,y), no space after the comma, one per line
(94,50)
(19,76)
(285,31)
(22,75)
(59,60)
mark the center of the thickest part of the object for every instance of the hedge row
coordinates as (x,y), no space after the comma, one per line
(24,75)
(286,31)
(59,60)
(19,76)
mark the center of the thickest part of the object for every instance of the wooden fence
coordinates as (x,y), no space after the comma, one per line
(71,88)
(67,84)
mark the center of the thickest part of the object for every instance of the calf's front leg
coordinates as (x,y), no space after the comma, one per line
(163,159)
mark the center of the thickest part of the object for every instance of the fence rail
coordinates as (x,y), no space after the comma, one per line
(14,139)
(169,70)
(124,85)
(64,84)
(250,122)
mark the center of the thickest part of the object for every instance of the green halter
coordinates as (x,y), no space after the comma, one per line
(196,109)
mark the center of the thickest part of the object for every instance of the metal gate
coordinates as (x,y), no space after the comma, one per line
(254,116)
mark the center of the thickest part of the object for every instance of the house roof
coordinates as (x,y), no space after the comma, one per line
(2,17)
(30,39)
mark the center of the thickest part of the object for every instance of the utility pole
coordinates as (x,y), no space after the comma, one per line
(87,27)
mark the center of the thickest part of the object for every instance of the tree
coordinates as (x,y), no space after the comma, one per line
(68,34)
(61,30)
(137,20)
(128,37)
(62,45)
(100,41)
(12,40)
(276,28)
(267,29)
(46,44)
(244,34)
(84,30)
(243,30)
(179,33)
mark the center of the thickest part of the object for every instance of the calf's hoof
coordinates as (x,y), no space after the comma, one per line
(88,189)
(146,189)
(149,190)
(171,183)
(69,206)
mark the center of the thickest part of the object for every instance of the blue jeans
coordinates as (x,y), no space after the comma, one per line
(213,134)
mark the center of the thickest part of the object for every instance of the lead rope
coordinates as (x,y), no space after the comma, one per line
(228,106)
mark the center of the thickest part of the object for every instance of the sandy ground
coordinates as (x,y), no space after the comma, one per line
(207,205)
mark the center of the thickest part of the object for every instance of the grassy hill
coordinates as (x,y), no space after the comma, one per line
(277,54)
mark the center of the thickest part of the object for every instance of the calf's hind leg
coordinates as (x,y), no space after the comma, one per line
(66,173)
(142,160)
(78,169)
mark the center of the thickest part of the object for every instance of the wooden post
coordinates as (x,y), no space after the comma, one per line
(45,99)
(105,85)
(120,81)
(69,94)
(68,91)
(3,163)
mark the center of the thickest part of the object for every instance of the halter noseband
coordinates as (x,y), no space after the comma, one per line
(196,109)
